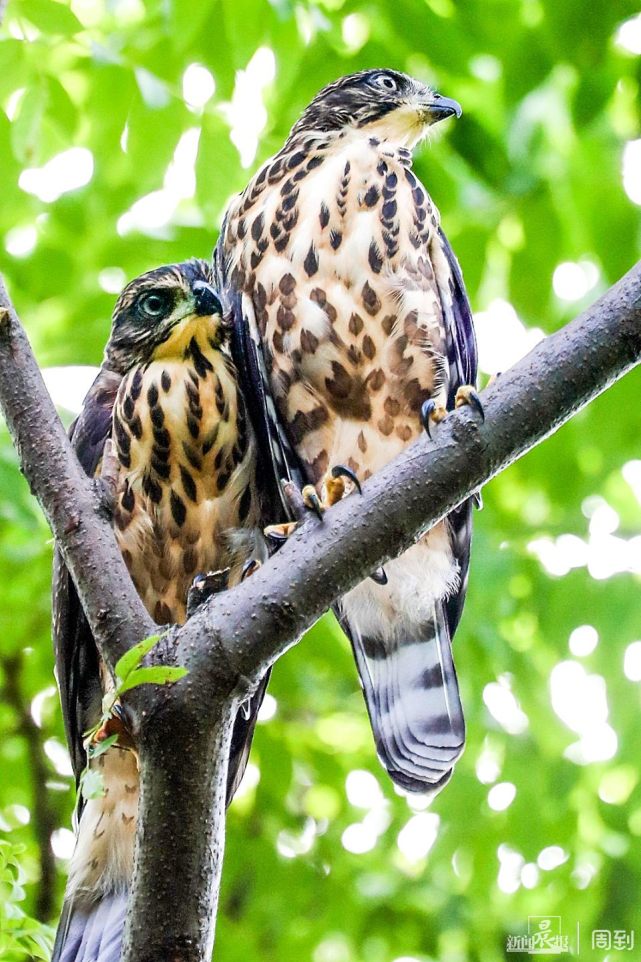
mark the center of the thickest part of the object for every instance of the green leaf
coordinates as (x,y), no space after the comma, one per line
(50,17)
(92,784)
(158,675)
(26,129)
(99,748)
(132,658)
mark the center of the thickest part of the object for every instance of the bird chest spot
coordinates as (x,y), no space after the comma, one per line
(385,425)
(190,561)
(410,324)
(371,196)
(374,257)
(392,406)
(348,394)
(369,348)
(162,613)
(375,379)
(188,483)
(285,318)
(178,509)
(311,261)
(287,284)
(355,324)
(370,299)
(165,381)
(308,342)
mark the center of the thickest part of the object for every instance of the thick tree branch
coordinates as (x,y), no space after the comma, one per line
(70,501)
(233,638)
(258,621)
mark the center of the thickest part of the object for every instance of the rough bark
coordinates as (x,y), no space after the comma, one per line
(73,504)
(234,637)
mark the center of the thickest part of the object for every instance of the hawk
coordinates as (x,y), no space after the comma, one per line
(167,396)
(352,321)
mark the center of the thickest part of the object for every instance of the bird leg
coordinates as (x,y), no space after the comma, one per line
(433,413)
(333,489)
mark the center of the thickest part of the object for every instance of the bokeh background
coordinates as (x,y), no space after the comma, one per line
(125,127)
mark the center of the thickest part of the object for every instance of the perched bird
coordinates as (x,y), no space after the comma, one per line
(167,396)
(352,322)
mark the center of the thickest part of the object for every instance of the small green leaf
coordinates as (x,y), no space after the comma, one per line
(132,658)
(92,784)
(50,17)
(152,676)
(99,748)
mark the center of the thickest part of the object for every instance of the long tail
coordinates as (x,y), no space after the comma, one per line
(92,933)
(411,691)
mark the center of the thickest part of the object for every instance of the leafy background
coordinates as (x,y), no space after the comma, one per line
(324,860)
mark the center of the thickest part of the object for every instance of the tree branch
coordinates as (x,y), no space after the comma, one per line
(71,502)
(256,622)
(235,636)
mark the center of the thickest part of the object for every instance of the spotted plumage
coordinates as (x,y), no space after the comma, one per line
(186,503)
(356,310)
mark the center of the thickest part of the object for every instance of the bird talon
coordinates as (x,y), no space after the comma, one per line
(250,568)
(204,586)
(341,471)
(431,413)
(467,394)
(279,533)
(379,577)
(312,501)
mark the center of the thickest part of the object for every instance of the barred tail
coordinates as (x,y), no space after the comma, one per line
(411,691)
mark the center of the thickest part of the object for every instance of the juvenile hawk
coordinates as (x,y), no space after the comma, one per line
(349,298)
(167,395)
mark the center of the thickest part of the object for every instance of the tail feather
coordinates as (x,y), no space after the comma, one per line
(91,933)
(412,698)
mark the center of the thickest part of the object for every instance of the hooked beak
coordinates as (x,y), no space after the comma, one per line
(205,300)
(438,108)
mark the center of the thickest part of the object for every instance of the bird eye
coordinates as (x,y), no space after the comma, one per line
(153,305)
(385,82)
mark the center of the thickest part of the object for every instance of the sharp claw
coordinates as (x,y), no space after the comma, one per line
(340,470)
(468,395)
(379,576)
(427,408)
(312,501)
(249,568)
(476,402)
(477,499)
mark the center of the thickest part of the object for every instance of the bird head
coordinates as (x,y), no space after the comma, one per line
(159,312)
(381,103)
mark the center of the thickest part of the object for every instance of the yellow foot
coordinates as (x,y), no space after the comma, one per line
(280,532)
(467,394)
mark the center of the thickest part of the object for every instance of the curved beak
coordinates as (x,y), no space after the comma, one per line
(205,300)
(439,108)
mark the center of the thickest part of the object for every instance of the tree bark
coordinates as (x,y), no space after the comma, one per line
(235,636)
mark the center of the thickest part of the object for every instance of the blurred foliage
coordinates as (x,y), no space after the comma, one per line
(530,177)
